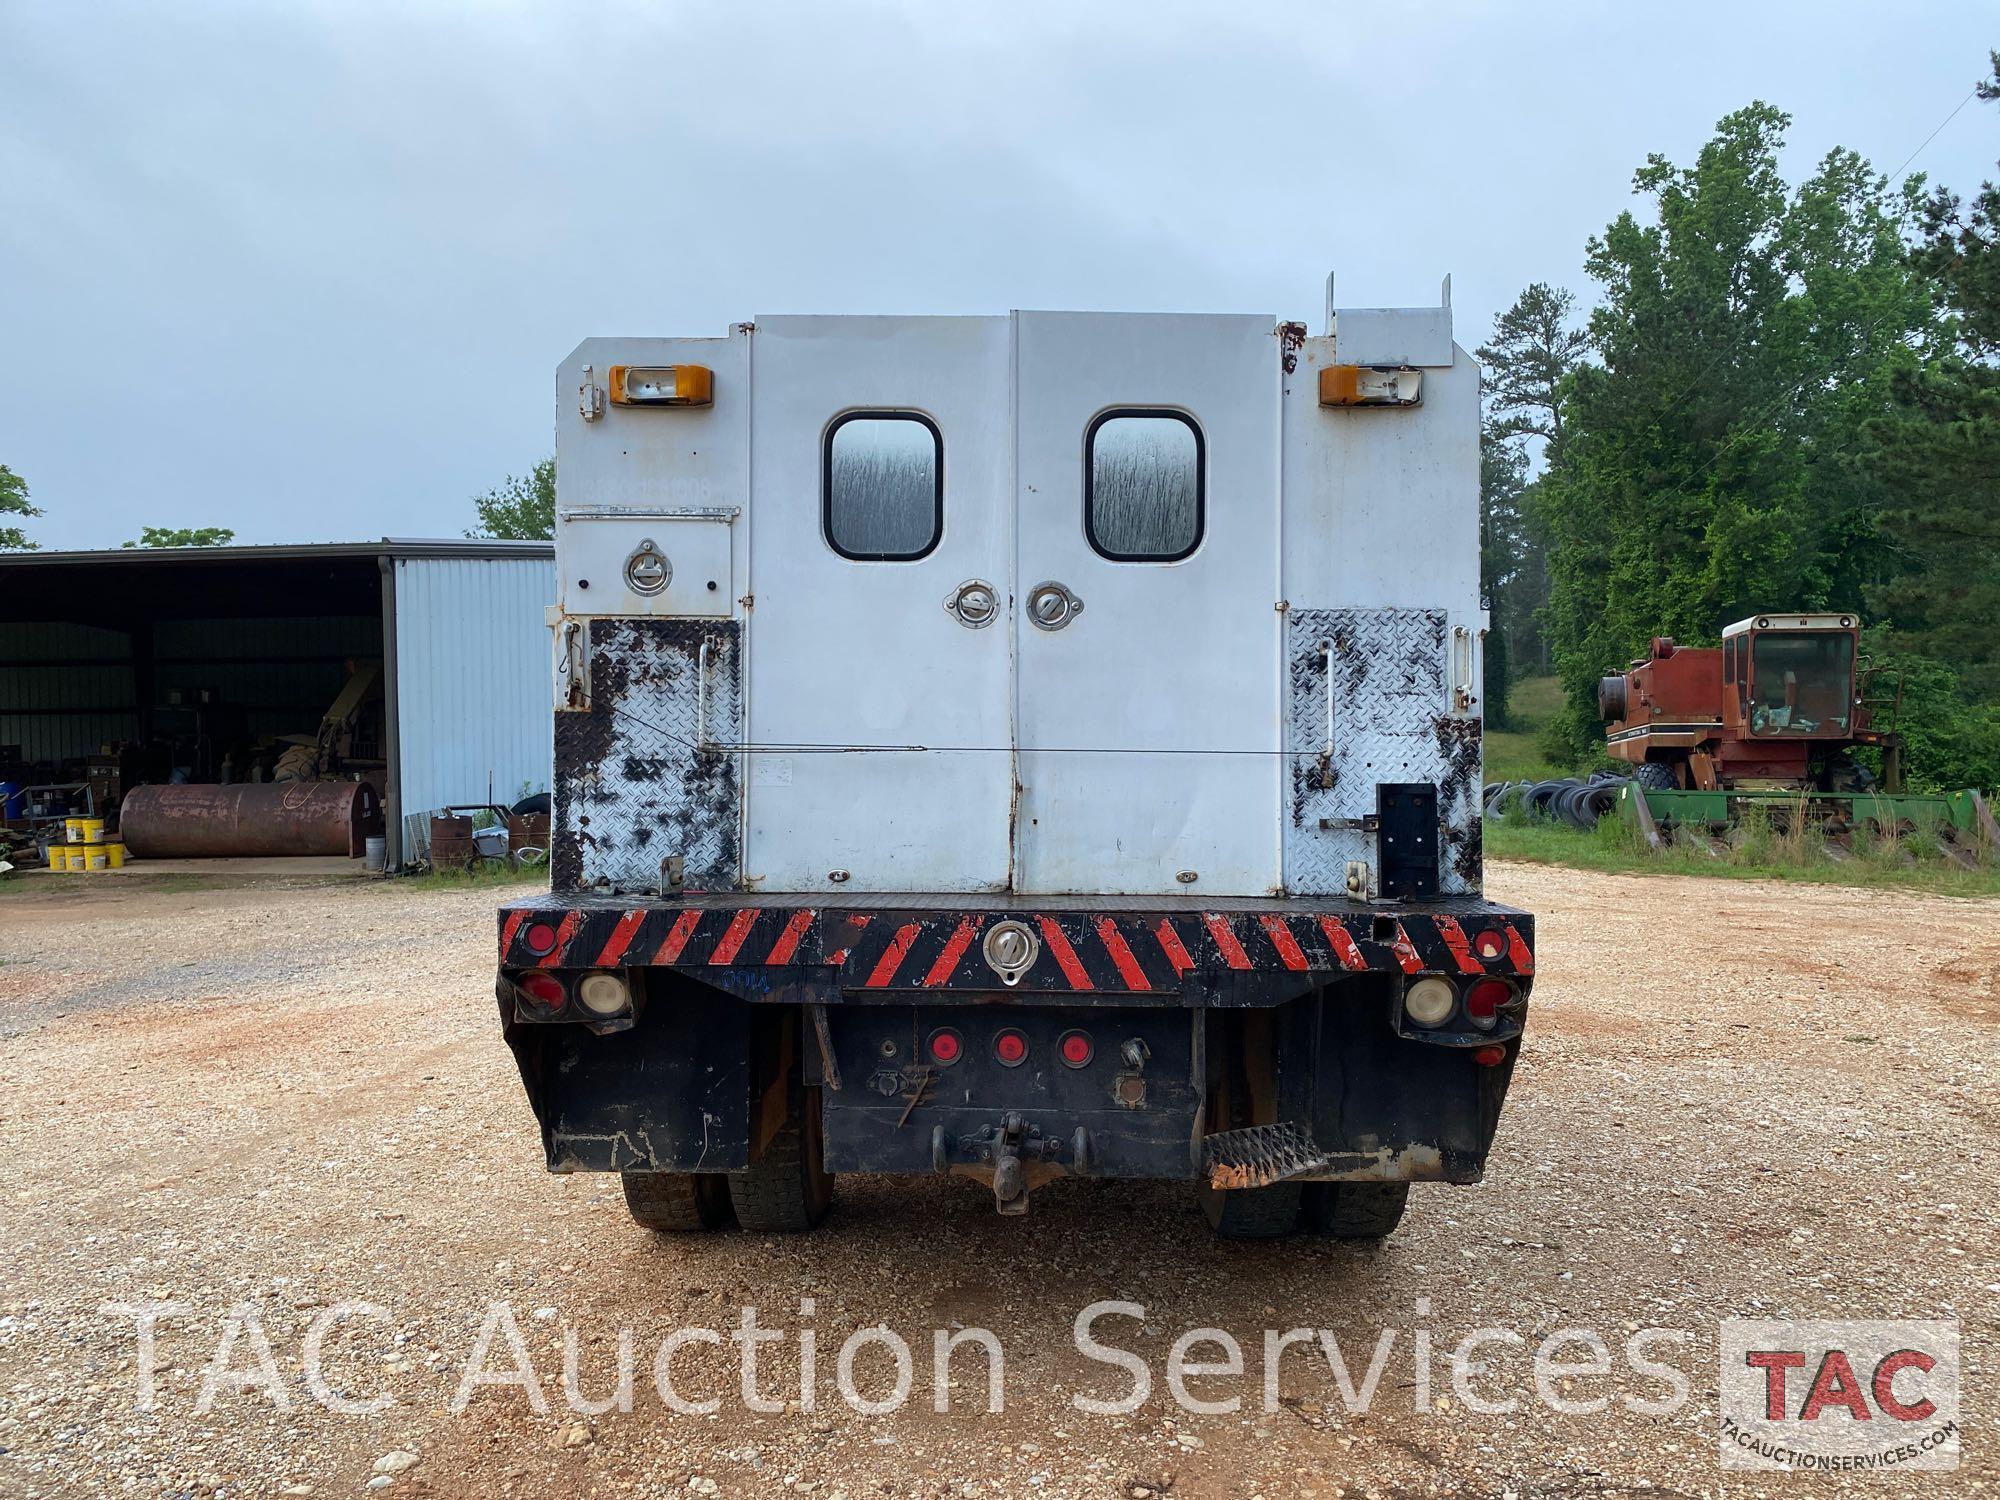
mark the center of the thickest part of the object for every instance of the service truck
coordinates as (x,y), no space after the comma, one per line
(1019,747)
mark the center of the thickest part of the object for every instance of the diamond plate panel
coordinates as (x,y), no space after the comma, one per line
(1369,703)
(635,782)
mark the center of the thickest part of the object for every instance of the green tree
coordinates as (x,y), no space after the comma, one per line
(521,507)
(1535,348)
(14,502)
(1937,450)
(1503,543)
(1710,454)
(183,536)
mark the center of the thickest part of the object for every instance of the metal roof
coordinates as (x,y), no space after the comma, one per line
(388,546)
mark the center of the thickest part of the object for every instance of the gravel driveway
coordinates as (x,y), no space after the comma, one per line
(1735,1100)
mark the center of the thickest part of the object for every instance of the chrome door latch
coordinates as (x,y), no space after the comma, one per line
(1051,606)
(975,604)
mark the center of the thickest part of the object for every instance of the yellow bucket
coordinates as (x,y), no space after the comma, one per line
(114,856)
(84,830)
(58,857)
(94,858)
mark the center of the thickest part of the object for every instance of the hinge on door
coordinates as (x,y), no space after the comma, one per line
(1369,824)
(589,398)
(572,666)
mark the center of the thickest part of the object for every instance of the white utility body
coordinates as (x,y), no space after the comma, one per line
(1140,611)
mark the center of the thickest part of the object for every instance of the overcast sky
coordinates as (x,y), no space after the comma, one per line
(306,270)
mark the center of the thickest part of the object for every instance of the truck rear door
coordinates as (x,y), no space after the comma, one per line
(1147,636)
(879,670)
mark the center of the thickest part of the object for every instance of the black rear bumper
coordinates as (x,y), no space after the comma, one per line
(867,948)
(1194,1019)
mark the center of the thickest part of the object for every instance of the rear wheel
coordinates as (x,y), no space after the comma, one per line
(678,1202)
(1355,1210)
(1656,776)
(788,1189)
(1262,1213)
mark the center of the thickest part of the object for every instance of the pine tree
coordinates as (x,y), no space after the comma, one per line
(1938,450)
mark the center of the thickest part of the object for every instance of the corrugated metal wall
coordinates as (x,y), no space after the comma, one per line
(472,683)
(283,673)
(46,705)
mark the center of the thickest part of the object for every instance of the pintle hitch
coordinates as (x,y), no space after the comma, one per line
(1013,1156)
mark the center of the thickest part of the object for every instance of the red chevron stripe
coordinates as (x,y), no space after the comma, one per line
(1121,955)
(1289,951)
(564,934)
(854,925)
(677,937)
(788,940)
(1406,952)
(954,950)
(620,939)
(513,925)
(1523,956)
(732,938)
(892,956)
(1066,959)
(1342,942)
(1454,939)
(1232,951)
(1173,947)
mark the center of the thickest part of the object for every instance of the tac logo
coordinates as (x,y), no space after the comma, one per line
(1839,1396)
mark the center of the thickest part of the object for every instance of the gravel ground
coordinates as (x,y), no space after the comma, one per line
(1735,1100)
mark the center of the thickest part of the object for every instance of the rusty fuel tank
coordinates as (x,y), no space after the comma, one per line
(247,821)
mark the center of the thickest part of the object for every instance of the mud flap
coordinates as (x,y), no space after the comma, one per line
(672,1094)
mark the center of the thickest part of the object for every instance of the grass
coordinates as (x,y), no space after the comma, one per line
(1513,755)
(1759,850)
(1616,847)
(486,872)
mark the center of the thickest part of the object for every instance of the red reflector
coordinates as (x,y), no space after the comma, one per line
(1010,1047)
(543,989)
(1485,998)
(540,937)
(945,1046)
(1491,943)
(1490,1056)
(1075,1048)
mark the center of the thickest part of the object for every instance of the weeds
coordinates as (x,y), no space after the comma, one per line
(482,873)
(1760,849)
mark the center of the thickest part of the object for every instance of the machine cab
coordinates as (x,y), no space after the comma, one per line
(1792,676)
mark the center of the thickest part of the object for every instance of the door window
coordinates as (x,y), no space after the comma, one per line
(883,486)
(1143,497)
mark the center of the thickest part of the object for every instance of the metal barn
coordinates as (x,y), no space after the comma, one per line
(140,665)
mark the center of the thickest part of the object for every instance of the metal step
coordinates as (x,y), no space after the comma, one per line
(1260,1155)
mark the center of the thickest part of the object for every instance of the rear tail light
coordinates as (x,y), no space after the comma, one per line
(1429,1002)
(1483,1002)
(1490,1056)
(1011,1048)
(1075,1049)
(540,938)
(543,989)
(1490,944)
(946,1047)
(603,994)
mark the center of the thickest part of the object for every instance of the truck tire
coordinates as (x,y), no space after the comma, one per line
(297,763)
(1656,775)
(1355,1210)
(1264,1213)
(788,1189)
(678,1202)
